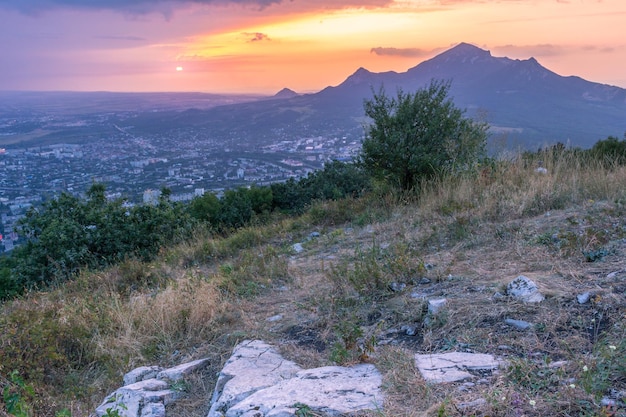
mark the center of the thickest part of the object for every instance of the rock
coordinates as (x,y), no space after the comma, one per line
(518,324)
(583,298)
(132,400)
(498,295)
(454,366)
(146,391)
(397,287)
(466,386)
(557,364)
(541,170)
(524,289)
(614,274)
(277,317)
(153,410)
(141,373)
(297,247)
(436,306)
(409,330)
(179,372)
(332,390)
(479,402)
(608,402)
(313,235)
(257,381)
(424,281)
(254,365)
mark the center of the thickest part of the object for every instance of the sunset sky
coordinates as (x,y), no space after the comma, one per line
(261,46)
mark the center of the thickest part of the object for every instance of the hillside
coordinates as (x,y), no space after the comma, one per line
(363,272)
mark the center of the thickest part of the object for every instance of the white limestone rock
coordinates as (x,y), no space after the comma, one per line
(258,382)
(141,373)
(179,372)
(454,366)
(331,390)
(146,391)
(436,306)
(524,289)
(254,365)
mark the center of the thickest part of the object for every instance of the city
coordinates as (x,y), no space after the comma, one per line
(136,166)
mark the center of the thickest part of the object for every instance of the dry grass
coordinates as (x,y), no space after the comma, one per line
(463,239)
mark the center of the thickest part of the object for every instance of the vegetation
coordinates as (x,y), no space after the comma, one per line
(415,137)
(69,234)
(101,288)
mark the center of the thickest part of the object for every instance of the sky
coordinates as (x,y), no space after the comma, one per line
(262,46)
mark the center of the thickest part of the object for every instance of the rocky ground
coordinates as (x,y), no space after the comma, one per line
(364,293)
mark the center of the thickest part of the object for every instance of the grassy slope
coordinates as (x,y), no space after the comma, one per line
(469,237)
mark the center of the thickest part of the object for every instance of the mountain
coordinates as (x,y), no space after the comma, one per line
(526,104)
(519,98)
(285,93)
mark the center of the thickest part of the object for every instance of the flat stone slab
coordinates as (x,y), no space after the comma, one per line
(440,368)
(332,390)
(257,381)
(254,365)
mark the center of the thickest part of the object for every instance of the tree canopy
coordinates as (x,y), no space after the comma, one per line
(418,136)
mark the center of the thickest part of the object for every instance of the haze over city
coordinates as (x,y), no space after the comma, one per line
(261,46)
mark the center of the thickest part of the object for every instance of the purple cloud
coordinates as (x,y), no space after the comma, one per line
(405,52)
(545,49)
(36,7)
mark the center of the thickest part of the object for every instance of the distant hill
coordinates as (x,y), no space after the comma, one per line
(285,93)
(525,103)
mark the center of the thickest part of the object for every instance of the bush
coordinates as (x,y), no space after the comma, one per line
(68,234)
(418,136)
(610,151)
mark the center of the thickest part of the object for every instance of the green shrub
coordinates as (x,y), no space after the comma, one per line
(415,137)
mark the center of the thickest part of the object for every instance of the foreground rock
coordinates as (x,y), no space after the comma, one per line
(439,368)
(258,382)
(524,289)
(146,391)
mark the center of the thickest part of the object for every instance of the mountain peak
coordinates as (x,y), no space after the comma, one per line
(360,76)
(285,93)
(466,50)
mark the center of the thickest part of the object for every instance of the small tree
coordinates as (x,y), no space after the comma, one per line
(418,136)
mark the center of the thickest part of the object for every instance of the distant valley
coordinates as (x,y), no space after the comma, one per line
(53,142)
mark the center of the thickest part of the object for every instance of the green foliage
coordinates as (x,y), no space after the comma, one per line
(419,136)
(68,234)
(205,208)
(336,181)
(303,410)
(534,377)
(610,151)
(16,395)
(606,369)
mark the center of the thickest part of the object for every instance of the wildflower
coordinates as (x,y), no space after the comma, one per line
(572,386)
(532,402)
(612,347)
(585,368)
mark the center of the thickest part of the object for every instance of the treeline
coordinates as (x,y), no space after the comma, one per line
(68,233)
